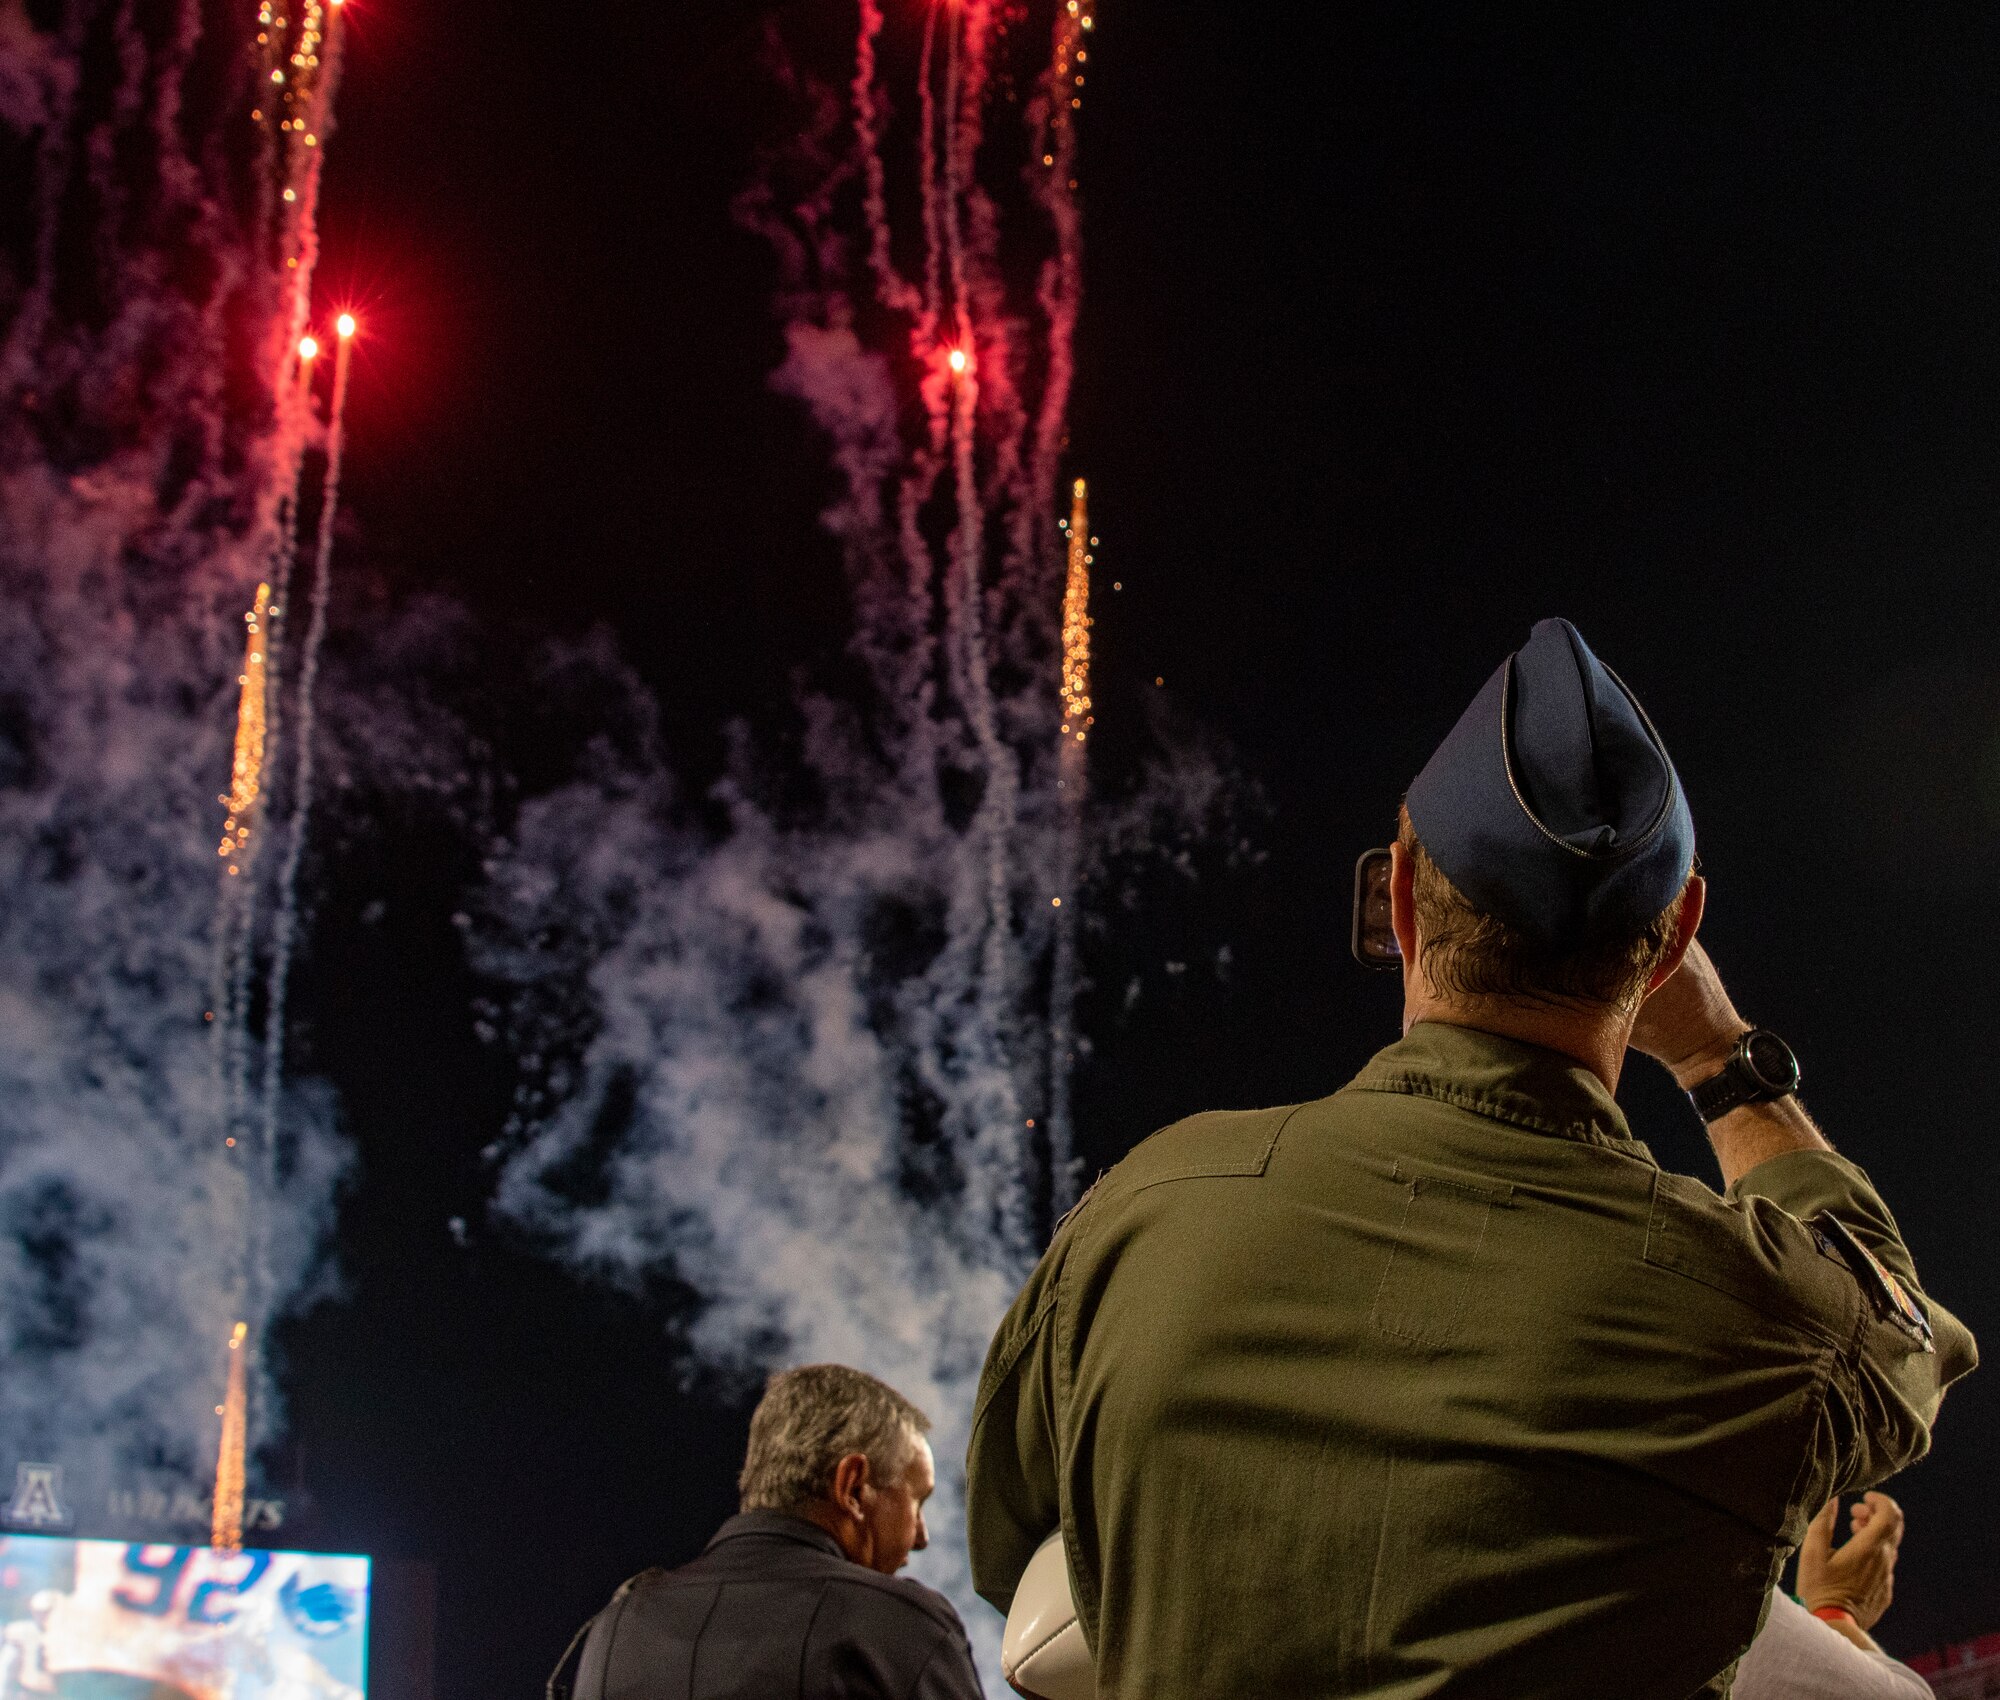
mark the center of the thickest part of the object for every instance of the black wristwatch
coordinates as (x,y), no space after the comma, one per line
(1762,1068)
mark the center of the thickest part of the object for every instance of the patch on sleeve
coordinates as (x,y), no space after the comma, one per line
(1885,1292)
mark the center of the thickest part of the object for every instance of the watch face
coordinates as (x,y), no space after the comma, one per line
(1770,1059)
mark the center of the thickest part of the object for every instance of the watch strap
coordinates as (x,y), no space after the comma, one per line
(1739,1082)
(1720,1093)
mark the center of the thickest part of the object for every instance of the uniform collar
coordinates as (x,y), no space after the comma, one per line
(780,1525)
(1524,1085)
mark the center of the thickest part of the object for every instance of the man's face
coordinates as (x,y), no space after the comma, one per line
(894,1513)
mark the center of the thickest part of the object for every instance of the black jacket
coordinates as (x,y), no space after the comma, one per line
(772,1610)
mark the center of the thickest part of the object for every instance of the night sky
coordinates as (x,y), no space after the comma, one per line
(1398,336)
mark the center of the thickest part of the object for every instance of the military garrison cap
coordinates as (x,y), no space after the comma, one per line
(1552,804)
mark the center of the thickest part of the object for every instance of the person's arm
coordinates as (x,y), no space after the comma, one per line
(1012,1500)
(1690,1025)
(1885,1392)
(1795,1657)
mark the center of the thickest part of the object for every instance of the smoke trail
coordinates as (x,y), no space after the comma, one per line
(284,921)
(146,429)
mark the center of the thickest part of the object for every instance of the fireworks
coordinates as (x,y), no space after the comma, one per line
(246,776)
(299,41)
(1072,776)
(970,578)
(1076,620)
(300,45)
(158,344)
(226,1528)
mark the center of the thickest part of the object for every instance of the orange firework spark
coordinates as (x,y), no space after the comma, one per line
(1070,769)
(226,1527)
(295,74)
(1077,718)
(246,774)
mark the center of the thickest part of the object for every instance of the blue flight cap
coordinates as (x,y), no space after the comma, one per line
(1552,804)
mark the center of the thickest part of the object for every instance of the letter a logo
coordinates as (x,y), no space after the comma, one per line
(37,1501)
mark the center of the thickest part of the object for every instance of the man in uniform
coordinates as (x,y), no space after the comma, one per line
(1440,1386)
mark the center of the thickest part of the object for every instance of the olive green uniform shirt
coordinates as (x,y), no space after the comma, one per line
(1441,1386)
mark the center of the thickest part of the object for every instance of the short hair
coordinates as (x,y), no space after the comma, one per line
(1465,952)
(811,1418)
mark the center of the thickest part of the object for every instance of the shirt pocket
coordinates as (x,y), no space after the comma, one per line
(1430,1285)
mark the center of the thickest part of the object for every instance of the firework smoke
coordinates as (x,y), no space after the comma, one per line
(155,418)
(801,1043)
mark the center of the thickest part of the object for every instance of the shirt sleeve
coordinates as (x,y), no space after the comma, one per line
(1884,1391)
(1012,1502)
(1796,1657)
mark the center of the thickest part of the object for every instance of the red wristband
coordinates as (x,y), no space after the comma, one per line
(1828,1614)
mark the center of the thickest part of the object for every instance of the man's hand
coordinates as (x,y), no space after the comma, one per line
(1860,1577)
(1688,1023)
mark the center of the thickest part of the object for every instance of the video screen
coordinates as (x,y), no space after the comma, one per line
(130,1620)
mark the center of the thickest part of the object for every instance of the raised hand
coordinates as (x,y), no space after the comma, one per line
(1859,1577)
(1688,1022)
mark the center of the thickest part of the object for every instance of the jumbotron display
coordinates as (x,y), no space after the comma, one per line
(179,1623)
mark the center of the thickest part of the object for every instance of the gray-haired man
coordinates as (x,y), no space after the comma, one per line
(796,1597)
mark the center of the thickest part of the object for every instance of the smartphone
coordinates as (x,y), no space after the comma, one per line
(1374,940)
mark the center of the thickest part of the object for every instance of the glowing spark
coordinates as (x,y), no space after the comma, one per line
(1076,620)
(246,774)
(956,360)
(345,323)
(308,347)
(226,1528)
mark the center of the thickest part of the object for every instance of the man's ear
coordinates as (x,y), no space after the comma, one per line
(850,1476)
(1694,902)
(1403,903)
